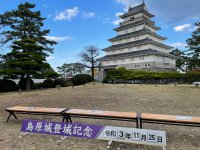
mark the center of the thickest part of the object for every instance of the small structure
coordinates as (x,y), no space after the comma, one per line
(137,45)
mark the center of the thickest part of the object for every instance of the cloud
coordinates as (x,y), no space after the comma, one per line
(58,38)
(50,58)
(44,5)
(67,14)
(88,15)
(128,3)
(178,45)
(117,21)
(169,11)
(184,27)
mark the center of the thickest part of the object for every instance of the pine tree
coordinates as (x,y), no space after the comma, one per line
(194,48)
(29,47)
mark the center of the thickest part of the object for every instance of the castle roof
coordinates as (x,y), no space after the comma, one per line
(138,22)
(136,54)
(134,43)
(132,34)
(137,9)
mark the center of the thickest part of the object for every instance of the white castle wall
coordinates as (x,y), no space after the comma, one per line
(142,59)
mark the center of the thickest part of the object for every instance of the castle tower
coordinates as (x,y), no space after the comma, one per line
(137,45)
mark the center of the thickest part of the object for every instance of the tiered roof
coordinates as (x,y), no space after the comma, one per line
(136,33)
(135,22)
(135,10)
(137,54)
(135,43)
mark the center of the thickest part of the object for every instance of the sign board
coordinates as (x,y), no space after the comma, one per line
(183,118)
(110,133)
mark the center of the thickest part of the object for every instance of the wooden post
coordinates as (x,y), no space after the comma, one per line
(58,87)
(20,91)
(197,85)
(84,84)
(93,83)
(175,83)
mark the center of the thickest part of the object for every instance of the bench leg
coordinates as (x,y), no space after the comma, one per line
(138,121)
(8,117)
(67,118)
(11,113)
(70,120)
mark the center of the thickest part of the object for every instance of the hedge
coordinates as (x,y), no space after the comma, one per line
(8,85)
(48,83)
(59,81)
(122,75)
(80,79)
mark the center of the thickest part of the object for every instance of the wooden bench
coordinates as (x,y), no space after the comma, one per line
(68,113)
(139,118)
(168,119)
(98,114)
(34,111)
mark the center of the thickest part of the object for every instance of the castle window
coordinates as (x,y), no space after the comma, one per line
(122,59)
(163,59)
(115,61)
(130,48)
(132,18)
(147,65)
(128,40)
(138,47)
(141,58)
(132,59)
(121,50)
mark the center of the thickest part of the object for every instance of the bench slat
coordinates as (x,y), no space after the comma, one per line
(35,109)
(170,118)
(99,113)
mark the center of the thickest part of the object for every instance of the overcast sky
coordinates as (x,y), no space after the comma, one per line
(75,24)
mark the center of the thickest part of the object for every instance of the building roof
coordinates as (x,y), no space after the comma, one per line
(139,22)
(139,42)
(136,53)
(137,9)
(139,32)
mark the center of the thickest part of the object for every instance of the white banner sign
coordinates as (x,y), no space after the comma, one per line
(133,135)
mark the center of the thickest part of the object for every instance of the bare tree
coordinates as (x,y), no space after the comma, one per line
(89,57)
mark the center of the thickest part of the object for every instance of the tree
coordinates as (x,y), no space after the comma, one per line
(182,59)
(194,48)
(71,69)
(89,57)
(23,31)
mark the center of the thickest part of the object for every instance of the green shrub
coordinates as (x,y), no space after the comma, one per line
(80,79)
(22,84)
(37,85)
(59,81)
(8,85)
(48,83)
(121,74)
(68,83)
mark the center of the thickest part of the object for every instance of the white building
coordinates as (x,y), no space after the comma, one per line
(137,45)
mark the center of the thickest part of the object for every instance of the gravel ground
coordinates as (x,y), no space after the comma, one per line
(164,99)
